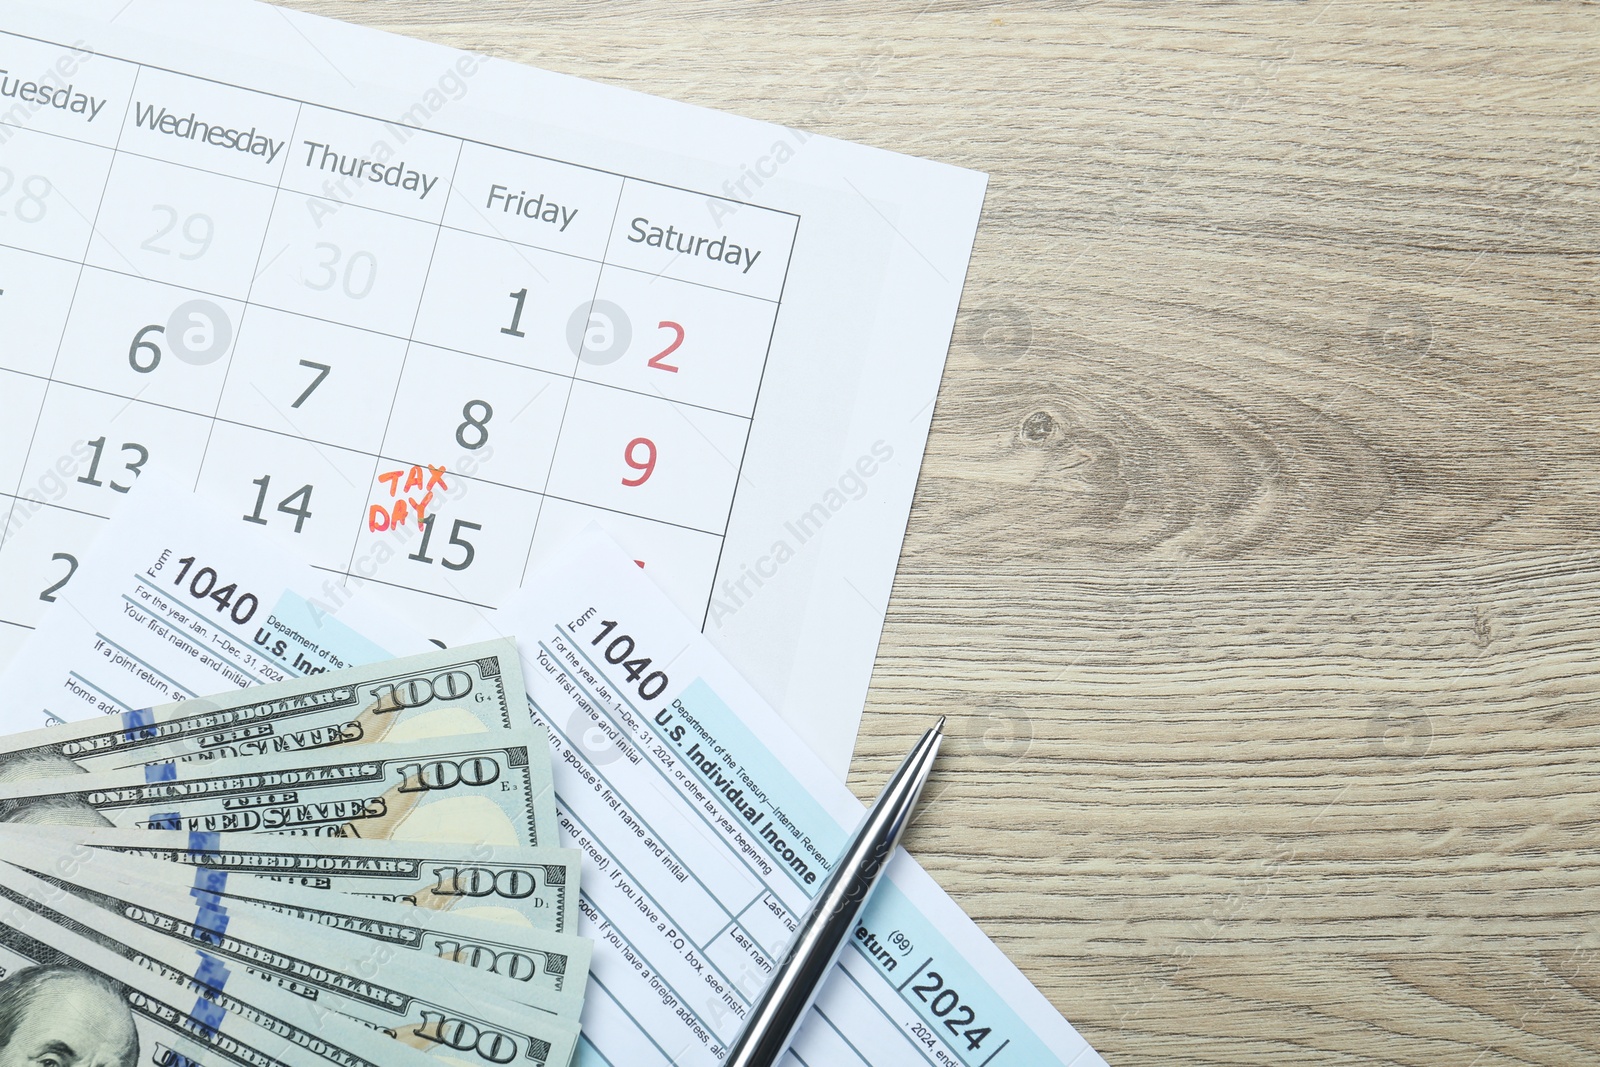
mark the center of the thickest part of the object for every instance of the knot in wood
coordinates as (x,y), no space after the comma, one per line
(1038,427)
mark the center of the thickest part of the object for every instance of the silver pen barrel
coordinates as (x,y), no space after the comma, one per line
(776,1015)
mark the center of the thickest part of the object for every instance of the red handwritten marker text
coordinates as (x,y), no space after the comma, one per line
(406,504)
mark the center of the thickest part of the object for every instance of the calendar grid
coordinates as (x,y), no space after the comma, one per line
(714,418)
(393,399)
(22,470)
(594,296)
(397,336)
(379,456)
(461,352)
(370,453)
(356,114)
(396,215)
(63,507)
(344,573)
(738,480)
(244,315)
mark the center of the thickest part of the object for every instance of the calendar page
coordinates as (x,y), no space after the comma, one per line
(427,314)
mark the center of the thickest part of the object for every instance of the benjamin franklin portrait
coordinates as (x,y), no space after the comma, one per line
(52,1016)
(44,810)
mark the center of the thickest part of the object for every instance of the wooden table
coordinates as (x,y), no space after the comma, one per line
(1257,551)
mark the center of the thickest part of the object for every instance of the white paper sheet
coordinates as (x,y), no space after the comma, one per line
(706,825)
(177,602)
(280,258)
(707,828)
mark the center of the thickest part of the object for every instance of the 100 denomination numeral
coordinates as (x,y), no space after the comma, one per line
(447,774)
(510,883)
(507,963)
(464,1036)
(416,692)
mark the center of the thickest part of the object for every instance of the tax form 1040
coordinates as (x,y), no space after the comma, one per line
(707,827)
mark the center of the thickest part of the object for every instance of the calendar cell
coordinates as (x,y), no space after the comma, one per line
(510,196)
(35,295)
(62,90)
(43,548)
(155,342)
(309,494)
(344,264)
(208,126)
(707,240)
(49,192)
(91,448)
(349,159)
(688,343)
(182,226)
(648,457)
(435,618)
(12,637)
(682,562)
(504,301)
(21,399)
(504,418)
(312,379)
(469,545)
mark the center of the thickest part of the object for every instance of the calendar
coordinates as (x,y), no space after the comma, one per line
(425,315)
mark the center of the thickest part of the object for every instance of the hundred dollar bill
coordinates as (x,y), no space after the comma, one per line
(72,994)
(479,789)
(434,1006)
(534,887)
(459,691)
(546,970)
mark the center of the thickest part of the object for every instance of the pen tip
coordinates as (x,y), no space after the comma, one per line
(938,727)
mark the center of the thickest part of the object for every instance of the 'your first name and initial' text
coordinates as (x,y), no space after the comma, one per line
(378,167)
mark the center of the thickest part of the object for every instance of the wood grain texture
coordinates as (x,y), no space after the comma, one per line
(1256,554)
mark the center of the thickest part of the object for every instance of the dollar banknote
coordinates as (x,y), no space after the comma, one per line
(459,691)
(73,995)
(430,1004)
(537,888)
(492,789)
(537,968)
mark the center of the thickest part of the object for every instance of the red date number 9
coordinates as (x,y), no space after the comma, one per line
(641,456)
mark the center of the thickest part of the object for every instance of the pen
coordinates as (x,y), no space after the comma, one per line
(776,1015)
